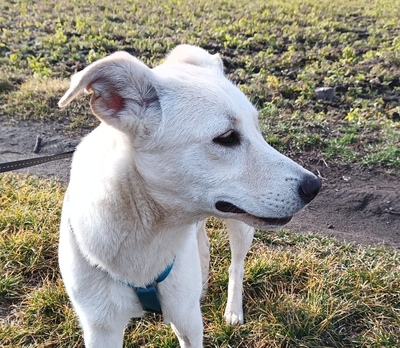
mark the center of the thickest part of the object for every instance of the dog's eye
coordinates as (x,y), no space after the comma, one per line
(228,139)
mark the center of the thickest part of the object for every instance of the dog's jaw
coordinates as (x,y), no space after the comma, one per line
(252,220)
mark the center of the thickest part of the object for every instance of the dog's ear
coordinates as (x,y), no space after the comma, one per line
(122,89)
(195,55)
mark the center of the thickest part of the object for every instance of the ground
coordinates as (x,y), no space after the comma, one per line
(354,205)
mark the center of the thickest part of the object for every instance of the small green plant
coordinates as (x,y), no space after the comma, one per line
(353,115)
(349,54)
(39,66)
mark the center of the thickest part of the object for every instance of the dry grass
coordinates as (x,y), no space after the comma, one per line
(300,290)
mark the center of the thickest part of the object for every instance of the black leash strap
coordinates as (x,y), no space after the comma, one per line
(9,166)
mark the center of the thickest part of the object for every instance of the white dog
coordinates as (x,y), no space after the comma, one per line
(176,144)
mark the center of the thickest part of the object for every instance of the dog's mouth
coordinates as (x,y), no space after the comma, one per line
(256,221)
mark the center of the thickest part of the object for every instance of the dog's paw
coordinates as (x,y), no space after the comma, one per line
(233,317)
(204,292)
(202,297)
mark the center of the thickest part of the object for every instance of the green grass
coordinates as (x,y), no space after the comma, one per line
(278,52)
(299,290)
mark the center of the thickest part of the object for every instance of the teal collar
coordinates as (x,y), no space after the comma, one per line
(148,296)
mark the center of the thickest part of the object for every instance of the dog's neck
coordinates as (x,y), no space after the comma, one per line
(110,175)
(118,224)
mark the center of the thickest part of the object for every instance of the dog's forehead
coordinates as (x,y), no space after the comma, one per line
(195,90)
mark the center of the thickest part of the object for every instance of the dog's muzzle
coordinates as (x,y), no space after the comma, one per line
(308,190)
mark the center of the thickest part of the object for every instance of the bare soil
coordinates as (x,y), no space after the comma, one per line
(355,205)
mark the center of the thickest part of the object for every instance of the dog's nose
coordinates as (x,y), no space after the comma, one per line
(309,188)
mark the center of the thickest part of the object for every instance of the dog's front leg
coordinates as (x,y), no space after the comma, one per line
(189,329)
(204,252)
(103,336)
(240,238)
(180,295)
(103,305)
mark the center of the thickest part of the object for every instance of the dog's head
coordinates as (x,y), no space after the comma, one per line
(195,138)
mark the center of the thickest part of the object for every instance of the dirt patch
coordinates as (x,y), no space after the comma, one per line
(354,205)
(17,141)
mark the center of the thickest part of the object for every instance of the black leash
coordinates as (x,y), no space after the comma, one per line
(9,166)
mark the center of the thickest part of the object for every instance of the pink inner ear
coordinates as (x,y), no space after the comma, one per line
(116,102)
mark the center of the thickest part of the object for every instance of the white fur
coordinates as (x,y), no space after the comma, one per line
(142,180)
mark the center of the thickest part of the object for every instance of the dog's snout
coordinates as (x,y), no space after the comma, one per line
(309,188)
